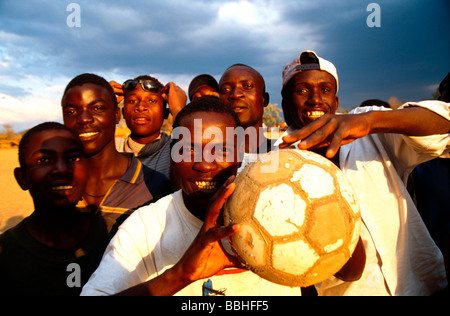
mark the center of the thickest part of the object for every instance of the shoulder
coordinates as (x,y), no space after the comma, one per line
(155,209)
(147,218)
(13,235)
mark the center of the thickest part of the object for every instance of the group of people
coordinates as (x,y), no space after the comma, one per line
(128,219)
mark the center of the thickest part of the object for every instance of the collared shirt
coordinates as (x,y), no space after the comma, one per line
(139,186)
(155,155)
(402,258)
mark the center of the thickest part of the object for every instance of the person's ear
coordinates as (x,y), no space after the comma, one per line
(266,99)
(337,104)
(20,178)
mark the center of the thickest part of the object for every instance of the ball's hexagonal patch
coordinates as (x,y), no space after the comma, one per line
(328,230)
(280,210)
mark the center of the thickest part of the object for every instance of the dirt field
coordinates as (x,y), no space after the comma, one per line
(15,204)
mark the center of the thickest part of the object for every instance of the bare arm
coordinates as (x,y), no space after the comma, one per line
(204,258)
(336,130)
(175,97)
(354,267)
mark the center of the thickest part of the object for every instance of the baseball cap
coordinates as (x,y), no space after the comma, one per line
(202,80)
(308,60)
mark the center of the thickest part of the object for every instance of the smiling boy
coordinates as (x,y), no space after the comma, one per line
(376,148)
(118,183)
(147,103)
(35,254)
(155,237)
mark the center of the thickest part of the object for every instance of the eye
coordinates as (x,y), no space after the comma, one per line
(186,149)
(302,91)
(247,85)
(69,112)
(75,158)
(99,108)
(42,160)
(225,89)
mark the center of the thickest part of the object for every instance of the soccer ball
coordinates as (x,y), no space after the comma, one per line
(300,224)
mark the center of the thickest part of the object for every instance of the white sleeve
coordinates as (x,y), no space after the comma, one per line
(406,152)
(123,264)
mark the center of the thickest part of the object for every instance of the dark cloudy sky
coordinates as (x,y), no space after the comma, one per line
(406,57)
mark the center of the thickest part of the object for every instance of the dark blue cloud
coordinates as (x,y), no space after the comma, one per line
(406,57)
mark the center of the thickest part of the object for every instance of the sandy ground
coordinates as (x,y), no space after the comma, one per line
(15,204)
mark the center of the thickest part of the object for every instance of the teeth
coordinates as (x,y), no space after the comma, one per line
(206,185)
(85,135)
(62,187)
(315,114)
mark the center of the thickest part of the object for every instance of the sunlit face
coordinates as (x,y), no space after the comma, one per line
(90,112)
(205,91)
(208,160)
(55,170)
(312,94)
(242,88)
(143,113)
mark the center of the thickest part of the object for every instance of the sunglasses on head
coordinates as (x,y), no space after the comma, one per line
(146,85)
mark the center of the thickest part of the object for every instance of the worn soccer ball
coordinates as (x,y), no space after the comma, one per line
(299,224)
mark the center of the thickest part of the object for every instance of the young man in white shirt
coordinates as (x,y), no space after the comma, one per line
(376,149)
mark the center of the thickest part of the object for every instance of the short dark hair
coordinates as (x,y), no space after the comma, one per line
(244,65)
(94,79)
(444,89)
(375,102)
(46,126)
(206,104)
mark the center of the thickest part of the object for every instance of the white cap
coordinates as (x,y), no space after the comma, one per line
(308,60)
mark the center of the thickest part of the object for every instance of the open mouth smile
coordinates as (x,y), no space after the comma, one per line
(314,114)
(206,185)
(87,136)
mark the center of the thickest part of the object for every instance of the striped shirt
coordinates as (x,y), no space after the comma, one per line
(155,155)
(139,186)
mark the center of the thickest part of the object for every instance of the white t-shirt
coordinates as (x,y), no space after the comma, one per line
(153,239)
(402,258)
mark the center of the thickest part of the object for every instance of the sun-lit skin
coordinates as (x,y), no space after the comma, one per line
(89,111)
(205,91)
(200,178)
(312,94)
(242,88)
(143,113)
(55,170)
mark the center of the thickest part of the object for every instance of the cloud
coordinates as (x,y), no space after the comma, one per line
(29,108)
(175,40)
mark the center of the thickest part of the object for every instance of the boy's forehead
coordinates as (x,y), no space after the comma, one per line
(89,91)
(55,139)
(241,73)
(313,77)
(207,119)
